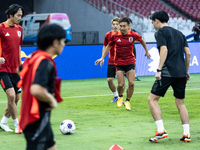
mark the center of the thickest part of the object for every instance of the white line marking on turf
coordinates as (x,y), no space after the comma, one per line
(124,93)
(108,94)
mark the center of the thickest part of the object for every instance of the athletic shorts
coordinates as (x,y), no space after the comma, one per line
(126,68)
(178,84)
(111,71)
(39,136)
(10,80)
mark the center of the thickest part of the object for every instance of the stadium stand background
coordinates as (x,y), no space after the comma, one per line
(90,19)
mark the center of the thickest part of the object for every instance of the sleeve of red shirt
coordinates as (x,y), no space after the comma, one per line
(137,36)
(112,42)
(21,42)
(105,43)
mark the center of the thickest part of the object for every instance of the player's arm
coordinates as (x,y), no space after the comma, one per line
(41,94)
(105,52)
(163,56)
(187,60)
(145,48)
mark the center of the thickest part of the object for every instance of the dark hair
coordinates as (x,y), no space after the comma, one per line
(130,20)
(12,10)
(48,33)
(161,15)
(124,19)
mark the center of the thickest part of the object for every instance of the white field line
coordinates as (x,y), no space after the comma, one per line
(109,94)
(124,93)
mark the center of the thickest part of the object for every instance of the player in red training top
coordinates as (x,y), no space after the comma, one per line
(125,59)
(10,41)
(111,71)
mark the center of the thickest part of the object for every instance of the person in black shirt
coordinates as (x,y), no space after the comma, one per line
(172,71)
(38,80)
(196,32)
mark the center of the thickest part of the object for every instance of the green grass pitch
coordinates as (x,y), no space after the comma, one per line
(100,124)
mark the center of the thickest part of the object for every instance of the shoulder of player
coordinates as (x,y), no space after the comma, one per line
(130,32)
(18,26)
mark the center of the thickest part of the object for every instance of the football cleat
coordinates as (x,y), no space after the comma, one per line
(17,130)
(127,105)
(137,79)
(158,136)
(185,138)
(114,99)
(5,127)
(119,101)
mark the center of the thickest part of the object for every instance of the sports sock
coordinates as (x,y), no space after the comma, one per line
(127,99)
(4,119)
(160,126)
(186,129)
(115,93)
(120,95)
(16,122)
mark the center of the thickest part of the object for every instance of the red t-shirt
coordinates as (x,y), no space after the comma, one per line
(112,53)
(124,47)
(10,40)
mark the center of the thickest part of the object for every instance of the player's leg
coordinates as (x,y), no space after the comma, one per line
(157,115)
(179,94)
(53,147)
(159,89)
(111,72)
(131,77)
(120,86)
(6,84)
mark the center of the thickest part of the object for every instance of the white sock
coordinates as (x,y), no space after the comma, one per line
(186,129)
(115,93)
(4,119)
(160,126)
(16,122)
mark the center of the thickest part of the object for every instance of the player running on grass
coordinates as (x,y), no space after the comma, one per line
(172,71)
(111,71)
(125,59)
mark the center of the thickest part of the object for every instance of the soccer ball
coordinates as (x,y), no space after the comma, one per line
(67,127)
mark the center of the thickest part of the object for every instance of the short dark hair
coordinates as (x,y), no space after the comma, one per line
(48,33)
(130,20)
(12,10)
(124,19)
(161,15)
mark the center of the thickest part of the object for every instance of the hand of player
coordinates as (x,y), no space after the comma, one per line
(148,55)
(101,61)
(158,76)
(2,60)
(52,104)
(188,76)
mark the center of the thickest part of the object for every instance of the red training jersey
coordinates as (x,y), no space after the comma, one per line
(10,40)
(112,53)
(124,47)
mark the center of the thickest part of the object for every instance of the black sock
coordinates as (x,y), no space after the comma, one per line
(127,99)
(121,95)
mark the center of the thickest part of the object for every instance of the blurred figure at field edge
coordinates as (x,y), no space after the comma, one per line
(196,31)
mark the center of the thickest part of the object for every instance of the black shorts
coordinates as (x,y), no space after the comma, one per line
(111,71)
(126,68)
(39,135)
(10,80)
(178,84)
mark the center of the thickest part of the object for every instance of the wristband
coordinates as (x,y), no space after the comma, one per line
(158,70)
